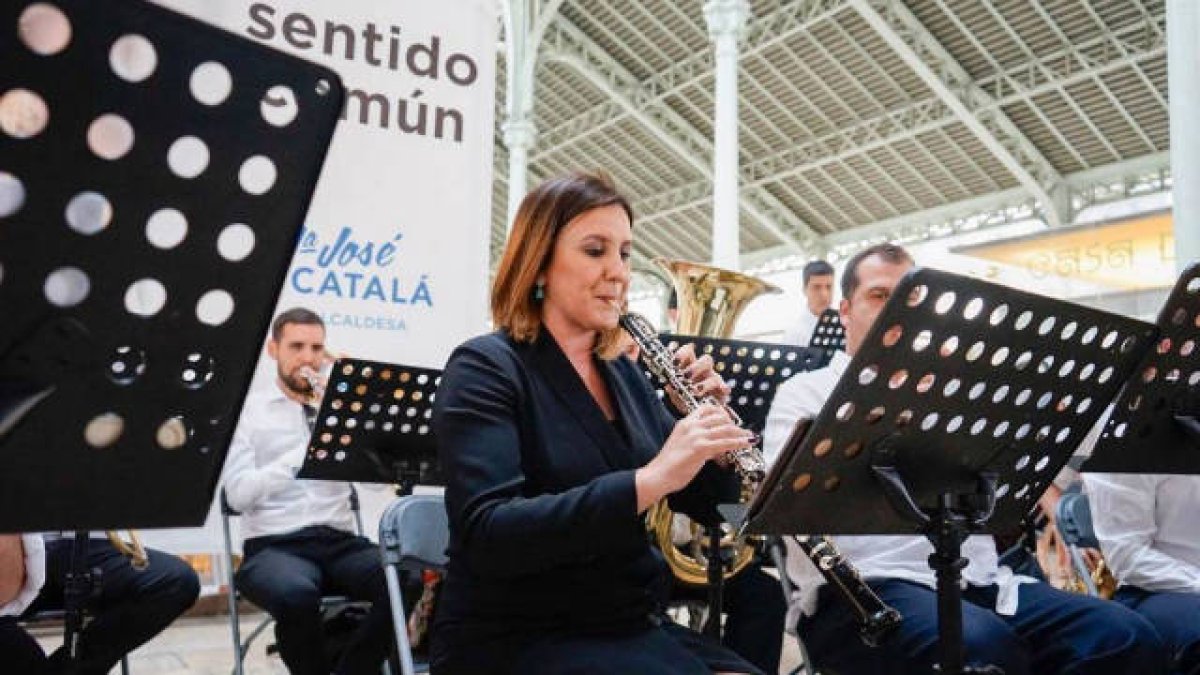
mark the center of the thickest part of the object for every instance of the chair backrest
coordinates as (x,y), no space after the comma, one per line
(1074,516)
(414,532)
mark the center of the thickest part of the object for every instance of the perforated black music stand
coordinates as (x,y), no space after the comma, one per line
(961,405)
(1154,426)
(154,174)
(136,295)
(829,334)
(753,370)
(374,426)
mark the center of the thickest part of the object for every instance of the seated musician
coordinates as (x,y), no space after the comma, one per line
(1016,623)
(299,534)
(1150,536)
(131,606)
(554,446)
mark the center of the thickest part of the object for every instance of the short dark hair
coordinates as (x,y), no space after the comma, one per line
(298,315)
(816,268)
(889,253)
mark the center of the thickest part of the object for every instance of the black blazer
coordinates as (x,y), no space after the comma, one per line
(544,531)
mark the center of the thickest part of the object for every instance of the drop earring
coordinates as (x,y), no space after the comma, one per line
(539,291)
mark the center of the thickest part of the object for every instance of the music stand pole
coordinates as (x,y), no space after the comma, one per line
(947,526)
(81,585)
(947,535)
(716,582)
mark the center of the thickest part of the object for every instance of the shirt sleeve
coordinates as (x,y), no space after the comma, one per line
(35,575)
(1123,507)
(789,406)
(246,484)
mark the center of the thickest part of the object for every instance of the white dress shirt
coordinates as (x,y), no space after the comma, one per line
(35,576)
(1148,527)
(875,557)
(260,472)
(801,332)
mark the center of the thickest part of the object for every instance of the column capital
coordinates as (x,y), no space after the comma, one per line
(519,132)
(726,18)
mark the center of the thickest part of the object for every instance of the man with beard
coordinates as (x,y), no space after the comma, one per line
(299,540)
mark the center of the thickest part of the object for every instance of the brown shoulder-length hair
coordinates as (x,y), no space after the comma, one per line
(543,214)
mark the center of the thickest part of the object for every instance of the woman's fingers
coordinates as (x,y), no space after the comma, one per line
(685,356)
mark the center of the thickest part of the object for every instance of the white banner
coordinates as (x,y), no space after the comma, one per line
(394,252)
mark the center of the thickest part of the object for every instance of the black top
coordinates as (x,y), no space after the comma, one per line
(544,530)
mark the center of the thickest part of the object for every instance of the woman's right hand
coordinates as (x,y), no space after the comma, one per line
(705,434)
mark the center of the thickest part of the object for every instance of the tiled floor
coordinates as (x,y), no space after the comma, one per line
(195,646)
(201,646)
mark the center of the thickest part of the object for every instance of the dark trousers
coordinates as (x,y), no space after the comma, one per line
(1051,632)
(132,607)
(755,610)
(19,652)
(287,574)
(754,613)
(1176,617)
(667,649)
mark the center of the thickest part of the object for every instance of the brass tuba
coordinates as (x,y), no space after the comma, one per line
(710,301)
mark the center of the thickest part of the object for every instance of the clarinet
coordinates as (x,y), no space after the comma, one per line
(877,621)
(748,461)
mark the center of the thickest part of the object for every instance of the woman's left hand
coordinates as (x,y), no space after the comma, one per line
(704,379)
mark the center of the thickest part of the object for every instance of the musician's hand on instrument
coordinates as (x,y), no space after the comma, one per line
(705,380)
(705,434)
(316,381)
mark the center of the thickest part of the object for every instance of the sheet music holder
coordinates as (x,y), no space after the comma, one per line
(151,191)
(753,370)
(138,270)
(374,426)
(961,405)
(1153,427)
(828,334)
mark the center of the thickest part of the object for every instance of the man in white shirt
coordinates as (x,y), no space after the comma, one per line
(299,541)
(1148,529)
(818,296)
(22,573)
(1015,623)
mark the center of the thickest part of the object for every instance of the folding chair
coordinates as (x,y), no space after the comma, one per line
(413,534)
(1074,517)
(328,603)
